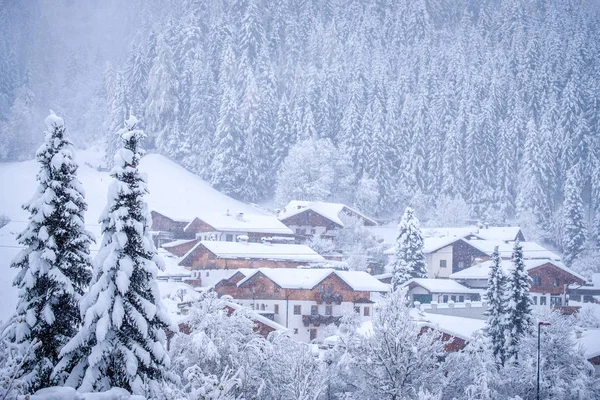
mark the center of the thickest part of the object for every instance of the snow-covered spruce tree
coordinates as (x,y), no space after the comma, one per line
(518,305)
(55,267)
(398,359)
(573,219)
(121,342)
(565,374)
(496,300)
(220,348)
(409,260)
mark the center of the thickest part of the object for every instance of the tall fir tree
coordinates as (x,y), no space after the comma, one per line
(122,340)
(573,218)
(118,104)
(496,307)
(162,103)
(518,320)
(409,260)
(55,266)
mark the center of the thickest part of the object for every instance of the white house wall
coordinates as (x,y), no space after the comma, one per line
(286,316)
(433,263)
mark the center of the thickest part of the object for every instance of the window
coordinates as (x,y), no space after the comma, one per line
(229,237)
(556,282)
(367,311)
(453,298)
(328,310)
(542,300)
(313,231)
(423,298)
(445,299)
(461,299)
(443,264)
(537,281)
(313,334)
(297,310)
(556,300)
(207,273)
(295,331)
(276,309)
(262,307)
(461,264)
(357,310)
(298,231)
(314,310)
(534,300)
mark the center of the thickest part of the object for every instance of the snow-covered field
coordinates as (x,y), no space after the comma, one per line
(173,190)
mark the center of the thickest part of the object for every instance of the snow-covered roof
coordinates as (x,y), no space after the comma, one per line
(531,250)
(590,341)
(241,222)
(481,271)
(460,327)
(291,252)
(331,211)
(177,243)
(172,267)
(498,233)
(448,232)
(430,244)
(309,278)
(257,317)
(434,285)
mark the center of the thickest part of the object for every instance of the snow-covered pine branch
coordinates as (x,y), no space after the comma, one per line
(409,260)
(55,267)
(121,342)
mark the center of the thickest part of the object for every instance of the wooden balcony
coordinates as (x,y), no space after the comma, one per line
(329,298)
(318,320)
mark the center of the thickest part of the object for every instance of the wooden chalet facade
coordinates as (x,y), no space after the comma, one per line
(211,261)
(549,284)
(227,227)
(303,300)
(307,219)
(550,280)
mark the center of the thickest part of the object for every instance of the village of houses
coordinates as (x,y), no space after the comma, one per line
(262,262)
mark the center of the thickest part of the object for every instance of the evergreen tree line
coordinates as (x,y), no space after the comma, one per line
(493,103)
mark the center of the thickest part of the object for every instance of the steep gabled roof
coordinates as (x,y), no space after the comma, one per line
(531,250)
(331,211)
(229,222)
(244,250)
(432,244)
(309,278)
(481,271)
(434,285)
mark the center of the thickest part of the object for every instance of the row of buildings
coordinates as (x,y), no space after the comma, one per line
(261,261)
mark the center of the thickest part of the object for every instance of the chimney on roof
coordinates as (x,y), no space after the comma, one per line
(240,216)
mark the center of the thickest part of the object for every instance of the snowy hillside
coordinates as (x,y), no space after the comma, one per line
(173,191)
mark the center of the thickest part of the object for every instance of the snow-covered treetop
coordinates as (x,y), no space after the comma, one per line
(54,121)
(131,122)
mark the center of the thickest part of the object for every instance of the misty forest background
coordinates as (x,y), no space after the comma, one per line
(489,105)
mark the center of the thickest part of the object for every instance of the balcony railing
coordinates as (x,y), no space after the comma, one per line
(318,320)
(329,298)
